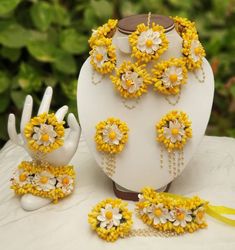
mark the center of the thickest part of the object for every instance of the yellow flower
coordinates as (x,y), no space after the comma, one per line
(173,130)
(103,56)
(131,80)
(192,50)
(148,43)
(111,219)
(107,31)
(169,76)
(44,133)
(111,135)
(39,186)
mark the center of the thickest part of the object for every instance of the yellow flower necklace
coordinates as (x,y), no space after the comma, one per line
(148,43)
(111,137)
(173,132)
(165,214)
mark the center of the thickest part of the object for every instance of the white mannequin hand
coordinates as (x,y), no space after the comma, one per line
(60,156)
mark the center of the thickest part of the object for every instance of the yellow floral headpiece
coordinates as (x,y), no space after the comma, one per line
(44,133)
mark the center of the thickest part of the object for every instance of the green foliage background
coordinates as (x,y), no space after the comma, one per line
(45,43)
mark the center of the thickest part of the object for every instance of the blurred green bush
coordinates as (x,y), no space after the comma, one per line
(45,43)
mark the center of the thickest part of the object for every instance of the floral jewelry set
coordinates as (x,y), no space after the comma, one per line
(131,80)
(44,134)
(166,215)
(148,43)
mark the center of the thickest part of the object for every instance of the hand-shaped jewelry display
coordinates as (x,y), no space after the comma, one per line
(47,177)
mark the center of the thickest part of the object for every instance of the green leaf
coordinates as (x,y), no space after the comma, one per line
(8,5)
(61,15)
(103,9)
(70,89)
(4,81)
(42,15)
(65,63)
(18,97)
(232,90)
(73,42)
(43,51)
(13,35)
(11,54)
(29,78)
(4,102)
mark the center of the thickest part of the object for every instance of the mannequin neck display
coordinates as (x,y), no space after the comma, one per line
(139,163)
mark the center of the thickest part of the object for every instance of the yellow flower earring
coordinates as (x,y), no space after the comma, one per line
(173,132)
(111,137)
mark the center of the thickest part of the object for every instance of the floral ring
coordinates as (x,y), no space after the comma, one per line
(44,133)
(111,219)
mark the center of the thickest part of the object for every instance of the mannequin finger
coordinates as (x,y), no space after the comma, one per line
(75,129)
(46,101)
(11,128)
(27,112)
(60,113)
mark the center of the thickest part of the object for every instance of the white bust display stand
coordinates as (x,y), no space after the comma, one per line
(138,165)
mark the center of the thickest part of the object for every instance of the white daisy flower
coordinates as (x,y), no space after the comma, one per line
(21,177)
(172,76)
(65,182)
(44,181)
(100,56)
(112,135)
(175,131)
(109,216)
(180,217)
(158,214)
(44,135)
(149,41)
(195,50)
(131,81)
(199,215)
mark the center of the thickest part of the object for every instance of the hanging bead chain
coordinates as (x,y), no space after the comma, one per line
(171,102)
(109,164)
(203,75)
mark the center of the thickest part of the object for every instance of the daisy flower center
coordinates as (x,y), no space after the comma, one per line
(99,57)
(44,179)
(175,131)
(197,51)
(109,215)
(173,78)
(23,177)
(65,181)
(158,212)
(128,83)
(141,205)
(45,137)
(180,216)
(149,43)
(112,135)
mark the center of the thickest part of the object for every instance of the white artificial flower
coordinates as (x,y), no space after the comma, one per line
(65,182)
(131,81)
(180,217)
(158,214)
(109,217)
(21,177)
(199,215)
(175,131)
(172,76)
(195,50)
(44,135)
(44,181)
(112,135)
(100,56)
(149,41)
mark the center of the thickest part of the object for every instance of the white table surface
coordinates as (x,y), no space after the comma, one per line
(210,174)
